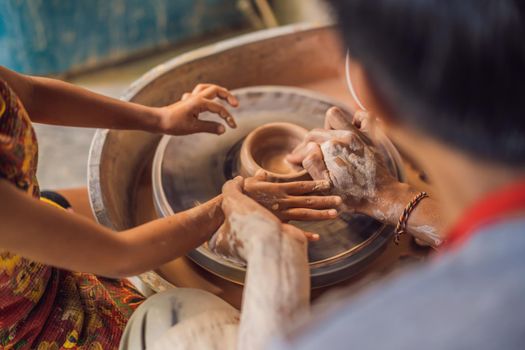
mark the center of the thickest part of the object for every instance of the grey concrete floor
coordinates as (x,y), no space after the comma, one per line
(63,151)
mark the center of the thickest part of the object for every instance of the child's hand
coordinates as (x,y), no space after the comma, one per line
(182,118)
(300,200)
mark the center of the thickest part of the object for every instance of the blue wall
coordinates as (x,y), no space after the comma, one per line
(55,36)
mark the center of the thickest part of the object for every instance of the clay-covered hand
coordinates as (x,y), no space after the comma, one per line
(337,119)
(248,225)
(347,157)
(299,200)
(182,118)
(358,173)
(338,126)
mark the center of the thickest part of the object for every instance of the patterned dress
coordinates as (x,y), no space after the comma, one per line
(42,307)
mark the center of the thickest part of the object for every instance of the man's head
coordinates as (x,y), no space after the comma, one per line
(453,70)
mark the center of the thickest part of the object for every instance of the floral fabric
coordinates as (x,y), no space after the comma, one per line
(42,307)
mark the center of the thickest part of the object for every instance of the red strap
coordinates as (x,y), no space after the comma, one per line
(504,203)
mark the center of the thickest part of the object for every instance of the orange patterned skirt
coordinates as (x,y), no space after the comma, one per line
(42,307)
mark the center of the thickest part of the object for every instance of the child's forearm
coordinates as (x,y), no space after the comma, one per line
(55,237)
(60,103)
(53,101)
(163,240)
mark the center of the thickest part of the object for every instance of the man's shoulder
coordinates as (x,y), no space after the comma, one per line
(465,299)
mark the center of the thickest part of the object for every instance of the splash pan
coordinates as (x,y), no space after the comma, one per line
(188,170)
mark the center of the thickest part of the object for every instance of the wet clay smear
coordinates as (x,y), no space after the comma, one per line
(352,168)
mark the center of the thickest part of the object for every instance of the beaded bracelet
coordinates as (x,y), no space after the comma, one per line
(402,223)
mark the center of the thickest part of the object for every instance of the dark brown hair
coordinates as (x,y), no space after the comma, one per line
(455,69)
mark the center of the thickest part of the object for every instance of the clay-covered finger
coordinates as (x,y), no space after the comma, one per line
(214,91)
(232,195)
(310,202)
(311,236)
(336,119)
(359,116)
(304,187)
(261,175)
(233,186)
(298,154)
(366,122)
(252,185)
(301,152)
(309,147)
(303,214)
(217,108)
(315,136)
(321,135)
(235,201)
(314,163)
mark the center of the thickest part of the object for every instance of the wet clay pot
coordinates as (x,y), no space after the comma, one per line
(266,148)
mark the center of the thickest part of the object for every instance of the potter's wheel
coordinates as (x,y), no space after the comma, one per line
(188,170)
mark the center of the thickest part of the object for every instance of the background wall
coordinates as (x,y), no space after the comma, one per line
(57,36)
(291,11)
(73,37)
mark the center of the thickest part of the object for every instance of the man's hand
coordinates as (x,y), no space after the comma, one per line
(344,153)
(248,224)
(182,118)
(336,119)
(338,127)
(300,200)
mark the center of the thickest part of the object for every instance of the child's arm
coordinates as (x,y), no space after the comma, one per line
(59,238)
(56,102)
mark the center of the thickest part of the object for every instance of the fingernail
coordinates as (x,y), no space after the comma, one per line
(338,200)
(221,129)
(231,121)
(315,236)
(233,101)
(332,212)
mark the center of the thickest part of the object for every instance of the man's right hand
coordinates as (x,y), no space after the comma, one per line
(338,126)
(344,154)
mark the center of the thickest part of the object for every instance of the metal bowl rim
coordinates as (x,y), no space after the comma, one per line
(205,259)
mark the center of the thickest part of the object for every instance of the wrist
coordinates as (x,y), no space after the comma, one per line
(393,201)
(154,119)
